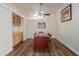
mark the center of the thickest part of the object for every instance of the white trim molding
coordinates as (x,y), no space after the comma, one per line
(12,9)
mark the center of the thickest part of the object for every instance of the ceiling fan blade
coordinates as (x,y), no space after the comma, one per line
(47,14)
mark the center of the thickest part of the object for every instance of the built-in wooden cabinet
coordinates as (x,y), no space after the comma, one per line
(17,34)
(17,38)
(16,20)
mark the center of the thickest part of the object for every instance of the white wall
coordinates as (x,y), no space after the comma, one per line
(68,32)
(5,31)
(25,28)
(50,26)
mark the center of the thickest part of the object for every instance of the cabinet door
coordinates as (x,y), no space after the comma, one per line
(14,39)
(16,20)
(19,21)
(17,38)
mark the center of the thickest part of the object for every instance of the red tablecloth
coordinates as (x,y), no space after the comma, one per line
(41,42)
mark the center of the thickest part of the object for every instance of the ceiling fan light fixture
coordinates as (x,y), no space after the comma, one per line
(40,14)
(35,15)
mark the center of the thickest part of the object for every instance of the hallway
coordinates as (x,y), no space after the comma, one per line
(55,49)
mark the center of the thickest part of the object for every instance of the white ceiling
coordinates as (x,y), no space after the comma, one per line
(28,9)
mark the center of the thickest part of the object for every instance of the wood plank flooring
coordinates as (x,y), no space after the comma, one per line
(55,49)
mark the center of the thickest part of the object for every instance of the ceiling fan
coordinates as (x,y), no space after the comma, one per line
(40,12)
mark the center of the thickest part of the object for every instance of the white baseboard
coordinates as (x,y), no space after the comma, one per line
(76,52)
(8,52)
